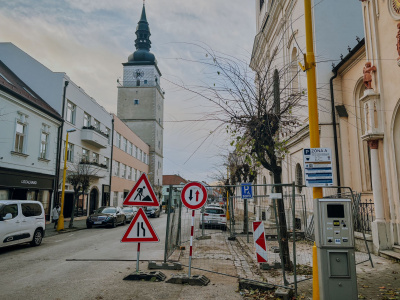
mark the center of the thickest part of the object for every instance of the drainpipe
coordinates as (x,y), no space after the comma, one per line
(59,146)
(112,153)
(335,129)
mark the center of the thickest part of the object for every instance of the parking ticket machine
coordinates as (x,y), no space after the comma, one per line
(334,237)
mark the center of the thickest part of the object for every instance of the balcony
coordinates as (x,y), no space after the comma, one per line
(95,137)
(93,169)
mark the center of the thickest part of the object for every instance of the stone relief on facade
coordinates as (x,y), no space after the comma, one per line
(368,69)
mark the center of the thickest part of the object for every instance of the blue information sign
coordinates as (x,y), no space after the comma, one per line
(247,191)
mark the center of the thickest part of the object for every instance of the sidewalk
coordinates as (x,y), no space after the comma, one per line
(380,282)
(79,224)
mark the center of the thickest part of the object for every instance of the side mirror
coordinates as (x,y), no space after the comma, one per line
(7,217)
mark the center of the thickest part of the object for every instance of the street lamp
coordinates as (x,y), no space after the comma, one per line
(60,224)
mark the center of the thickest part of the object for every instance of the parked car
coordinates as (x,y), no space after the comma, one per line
(153,211)
(21,221)
(106,216)
(129,212)
(214,217)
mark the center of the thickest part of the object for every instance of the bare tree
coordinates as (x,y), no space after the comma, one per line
(81,177)
(258,113)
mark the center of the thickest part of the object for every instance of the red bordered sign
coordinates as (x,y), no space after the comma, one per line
(194,195)
(140,230)
(142,194)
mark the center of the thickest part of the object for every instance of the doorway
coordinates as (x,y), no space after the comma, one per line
(94,195)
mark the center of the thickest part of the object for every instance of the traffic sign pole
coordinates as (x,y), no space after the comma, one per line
(191,243)
(138,256)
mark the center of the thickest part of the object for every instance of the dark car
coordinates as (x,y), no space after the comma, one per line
(153,211)
(106,216)
(129,212)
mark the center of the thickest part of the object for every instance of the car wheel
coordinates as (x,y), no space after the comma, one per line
(124,222)
(37,238)
(88,225)
(113,224)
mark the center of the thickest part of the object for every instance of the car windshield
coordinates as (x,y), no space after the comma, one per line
(128,209)
(212,210)
(107,210)
(152,208)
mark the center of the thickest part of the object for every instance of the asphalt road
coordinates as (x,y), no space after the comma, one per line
(44,273)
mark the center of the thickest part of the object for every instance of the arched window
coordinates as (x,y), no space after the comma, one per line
(299,178)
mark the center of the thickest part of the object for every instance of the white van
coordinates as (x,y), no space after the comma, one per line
(21,221)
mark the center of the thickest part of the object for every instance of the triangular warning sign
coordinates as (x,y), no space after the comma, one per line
(140,230)
(142,194)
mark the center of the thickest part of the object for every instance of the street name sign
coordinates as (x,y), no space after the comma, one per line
(140,230)
(142,194)
(318,170)
(194,195)
(247,191)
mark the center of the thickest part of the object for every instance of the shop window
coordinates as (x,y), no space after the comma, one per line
(71,112)
(9,209)
(31,209)
(4,195)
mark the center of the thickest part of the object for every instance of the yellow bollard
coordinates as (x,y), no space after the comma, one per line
(315,274)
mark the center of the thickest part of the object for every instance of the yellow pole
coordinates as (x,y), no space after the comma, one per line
(313,116)
(315,273)
(60,224)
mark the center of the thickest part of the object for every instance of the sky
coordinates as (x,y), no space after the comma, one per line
(89,40)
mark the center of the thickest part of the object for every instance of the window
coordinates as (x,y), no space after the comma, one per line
(44,141)
(71,112)
(85,155)
(261,3)
(9,209)
(137,82)
(31,209)
(145,81)
(136,102)
(123,173)
(107,162)
(70,152)
(299,178)
(116,173)
(115,199)
(118,141)
(134,151)
(124,144)
(135,173)
(20,137)
(130,148)
(86,120)
(96,124)
(95,157)
(159,144)
(108,132)
(140,155)
(129,172)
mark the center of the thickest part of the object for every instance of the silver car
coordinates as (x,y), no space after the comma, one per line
(129,212)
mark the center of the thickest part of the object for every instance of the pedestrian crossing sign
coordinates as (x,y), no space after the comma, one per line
(142,194)
(140,230)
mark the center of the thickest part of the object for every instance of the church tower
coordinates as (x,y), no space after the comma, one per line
(141,100)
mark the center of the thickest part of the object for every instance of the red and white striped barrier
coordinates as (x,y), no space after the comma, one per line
(191,243)
(259,242)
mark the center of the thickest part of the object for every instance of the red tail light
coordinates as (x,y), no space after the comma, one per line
(222,216)
(205,214)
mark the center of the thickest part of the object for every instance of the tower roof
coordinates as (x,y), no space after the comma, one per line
(142,55)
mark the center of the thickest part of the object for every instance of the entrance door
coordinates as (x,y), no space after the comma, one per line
(93,200)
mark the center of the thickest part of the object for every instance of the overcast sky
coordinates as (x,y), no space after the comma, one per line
(90,39)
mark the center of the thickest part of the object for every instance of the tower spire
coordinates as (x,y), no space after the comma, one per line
(143,32)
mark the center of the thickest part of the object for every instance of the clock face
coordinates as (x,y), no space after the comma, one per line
(138,73)
(396,6)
